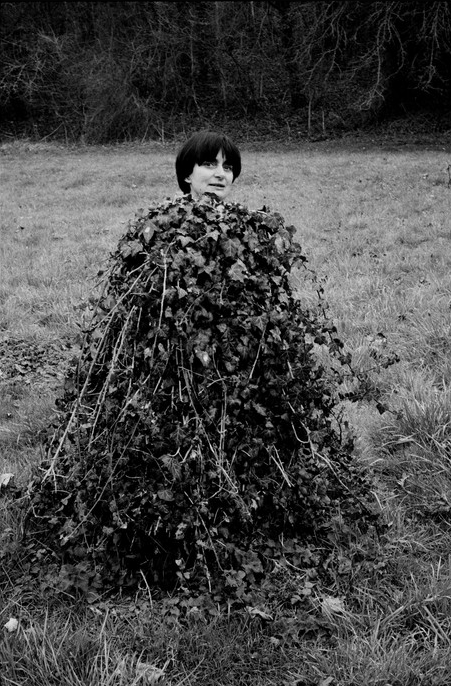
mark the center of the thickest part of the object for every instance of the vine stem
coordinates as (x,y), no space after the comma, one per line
(50,472)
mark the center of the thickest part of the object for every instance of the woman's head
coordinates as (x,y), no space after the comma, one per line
(208,163)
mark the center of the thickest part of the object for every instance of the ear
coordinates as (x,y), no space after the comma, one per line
(188,179)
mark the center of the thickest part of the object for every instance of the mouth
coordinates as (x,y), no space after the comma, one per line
(217,185)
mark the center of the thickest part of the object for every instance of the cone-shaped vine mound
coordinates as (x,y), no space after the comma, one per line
(198,428)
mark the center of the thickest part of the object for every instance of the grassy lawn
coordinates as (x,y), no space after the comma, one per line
(374,222)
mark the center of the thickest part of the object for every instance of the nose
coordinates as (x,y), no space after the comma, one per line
(219,170)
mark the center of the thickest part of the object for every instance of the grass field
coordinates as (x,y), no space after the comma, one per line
(374,221)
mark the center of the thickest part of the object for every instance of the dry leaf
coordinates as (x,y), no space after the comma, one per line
(255,612)
(11,625)
(331,605)
(5,479)
(149,673)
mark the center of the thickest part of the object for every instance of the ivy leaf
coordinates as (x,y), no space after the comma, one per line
(164,221)
(279,244)
(252,240)
(272,221)
(204,357)
(184,240)
(259,409)
(131,249)
(238,271)
(108,303)
(214,235)
(148,232)
(166,495)
(196,257)
(231,247)
(260,322)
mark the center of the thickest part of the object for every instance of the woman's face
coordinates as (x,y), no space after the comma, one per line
(214,176)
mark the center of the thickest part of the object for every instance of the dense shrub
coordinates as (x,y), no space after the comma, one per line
(199,437)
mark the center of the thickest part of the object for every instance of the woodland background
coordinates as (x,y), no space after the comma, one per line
(100,72)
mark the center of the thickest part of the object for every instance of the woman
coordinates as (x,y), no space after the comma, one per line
(208,163)
(196,427)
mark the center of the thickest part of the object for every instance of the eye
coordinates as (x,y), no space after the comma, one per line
(227,167)
(208,164)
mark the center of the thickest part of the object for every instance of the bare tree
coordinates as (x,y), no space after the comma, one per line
(111,70)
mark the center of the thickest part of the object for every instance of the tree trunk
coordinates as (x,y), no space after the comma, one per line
(288,40)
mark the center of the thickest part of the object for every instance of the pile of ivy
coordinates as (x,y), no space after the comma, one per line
(199,440)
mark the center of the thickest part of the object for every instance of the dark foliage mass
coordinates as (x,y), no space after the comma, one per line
(106,71)
(200,439)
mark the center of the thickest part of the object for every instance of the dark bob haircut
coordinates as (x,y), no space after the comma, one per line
(203,147)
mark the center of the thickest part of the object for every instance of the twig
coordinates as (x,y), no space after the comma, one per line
(257,355)
(50,472)
(160,319)
(116,352)
(279,465)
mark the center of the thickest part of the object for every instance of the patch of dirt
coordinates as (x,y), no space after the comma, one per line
(30,361)
(31,376)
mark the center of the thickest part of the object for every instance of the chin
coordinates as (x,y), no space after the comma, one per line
(221,194)
(218,194)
